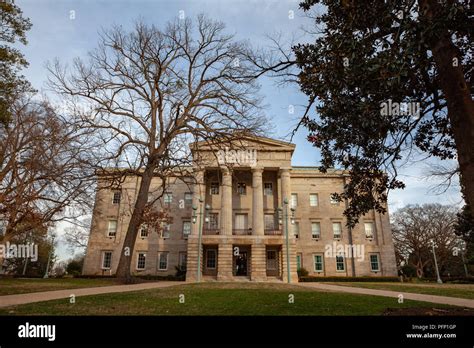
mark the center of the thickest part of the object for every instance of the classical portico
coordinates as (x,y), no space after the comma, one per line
(241,234)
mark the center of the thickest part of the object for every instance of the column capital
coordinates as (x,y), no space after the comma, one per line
(257,170)
(284,170)
(225,170)
(199,175)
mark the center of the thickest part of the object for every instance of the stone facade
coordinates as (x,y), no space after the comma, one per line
(243,202)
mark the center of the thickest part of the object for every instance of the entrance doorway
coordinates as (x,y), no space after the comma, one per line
(241,264)
(241,260)
(273,261)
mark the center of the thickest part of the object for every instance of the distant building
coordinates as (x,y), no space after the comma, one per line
(243,234)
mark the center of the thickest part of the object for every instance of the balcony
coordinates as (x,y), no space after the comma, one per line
(272,232)
(210,231)
(242,232)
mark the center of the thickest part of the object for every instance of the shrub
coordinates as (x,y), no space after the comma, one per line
(74,267)
(349,279)
(180,273)
(302,272)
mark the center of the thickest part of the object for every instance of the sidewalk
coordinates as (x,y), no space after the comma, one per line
(453,301)
(13,300)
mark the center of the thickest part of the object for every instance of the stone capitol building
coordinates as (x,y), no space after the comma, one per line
(241,214)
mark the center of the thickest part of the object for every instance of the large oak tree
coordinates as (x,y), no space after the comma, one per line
(149,92)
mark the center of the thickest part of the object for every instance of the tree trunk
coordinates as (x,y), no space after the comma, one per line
(460,105)
(419,269)
(123,269)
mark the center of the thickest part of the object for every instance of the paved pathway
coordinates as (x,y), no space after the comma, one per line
(453,301)
(13,300)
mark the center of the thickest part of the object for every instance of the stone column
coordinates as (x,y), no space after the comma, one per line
(285,184)
(258,262)
(199,191)
(293,266)
(224,261)
(257,202)
(226,203)
(192,255)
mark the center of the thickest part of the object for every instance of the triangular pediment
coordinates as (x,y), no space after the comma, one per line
(246,142)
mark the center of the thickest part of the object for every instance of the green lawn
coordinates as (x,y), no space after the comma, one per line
(450,290)
(11,286)
(219,299)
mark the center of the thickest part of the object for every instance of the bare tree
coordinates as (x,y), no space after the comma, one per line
(414,227)
(42,167)
(77,235)
(150,92)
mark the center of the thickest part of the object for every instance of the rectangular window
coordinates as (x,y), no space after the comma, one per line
(369,230)
(334,201)
(143,231)
(141,260)
(269,220)
(112,228)
(337,230)
(162,261)
(183,259)
(299,258)
(318,263)
(213,223)
(188,198)
(214,188)
(268,189)
(374,263)
(241,222)
(168,198)
(315,230)
(211,256)
(296,229)
(272,263)
(106,259)
(313,200)
(294,200)
(340,264)
(241,188)
(116,197)
(165,231)
(186,229)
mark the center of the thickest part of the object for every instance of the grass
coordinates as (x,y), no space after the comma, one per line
(449,290)
(11,286)
(219,299)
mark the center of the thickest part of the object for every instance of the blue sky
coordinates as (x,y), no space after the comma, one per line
(66,29)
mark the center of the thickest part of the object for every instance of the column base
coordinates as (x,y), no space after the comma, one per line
(258,277)
(225,276)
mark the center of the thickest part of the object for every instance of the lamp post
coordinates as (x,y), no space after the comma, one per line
(201,201)
(461,247)
(439,281)
(285,216)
